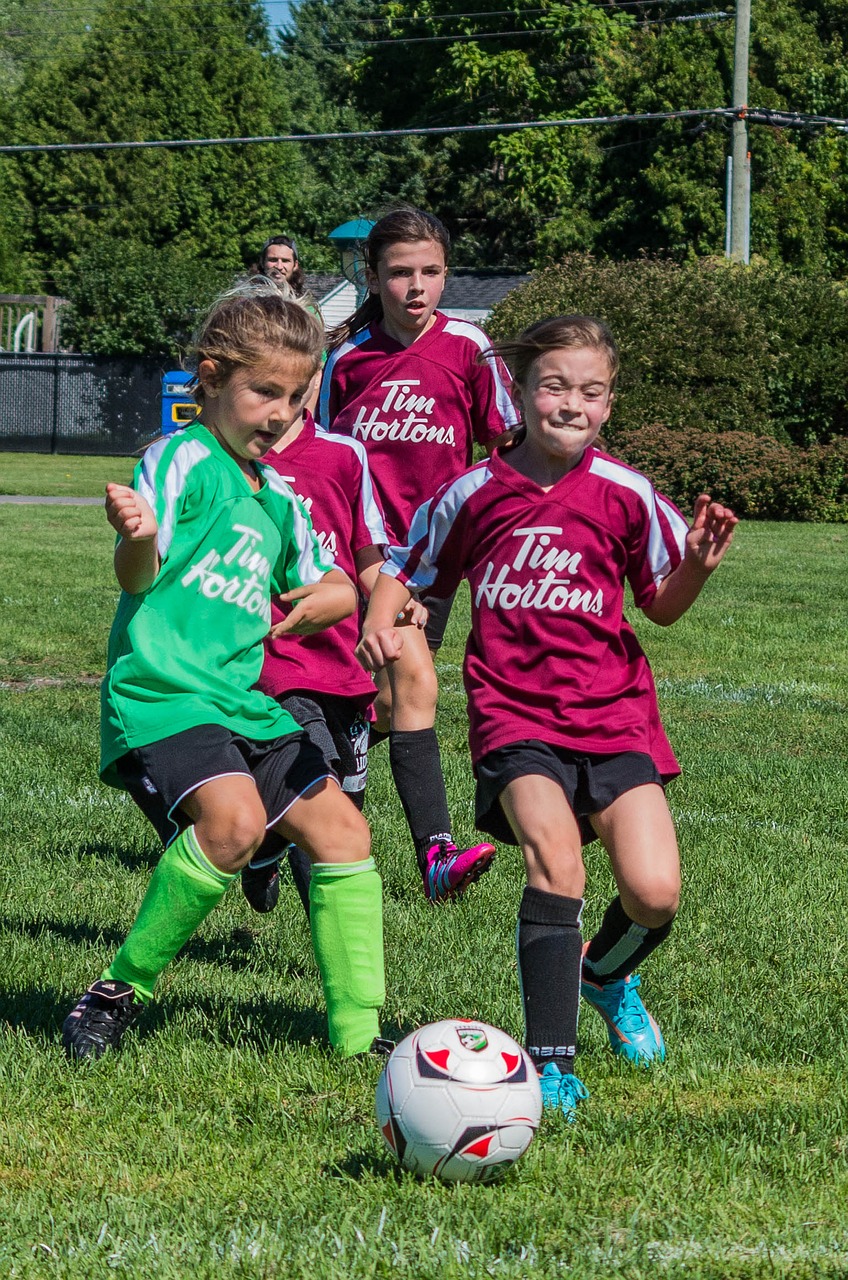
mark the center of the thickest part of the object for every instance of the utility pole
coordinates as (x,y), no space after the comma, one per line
(740,174)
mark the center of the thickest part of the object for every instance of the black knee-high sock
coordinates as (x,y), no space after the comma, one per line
(301,864)
(417,770)
(549,949)
(620,945)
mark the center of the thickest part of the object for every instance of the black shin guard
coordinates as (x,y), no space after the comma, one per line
(417,771)
(549,949)
(620,945)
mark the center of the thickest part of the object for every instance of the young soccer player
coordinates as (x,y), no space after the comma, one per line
(407,381)
(316,677)
(206,534)
(565,731)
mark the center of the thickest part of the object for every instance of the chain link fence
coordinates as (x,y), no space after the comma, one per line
(78,404)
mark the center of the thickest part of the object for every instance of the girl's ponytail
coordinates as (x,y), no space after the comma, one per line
(403,225)
(370,311)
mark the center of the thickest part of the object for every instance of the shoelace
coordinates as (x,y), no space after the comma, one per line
(632,1009)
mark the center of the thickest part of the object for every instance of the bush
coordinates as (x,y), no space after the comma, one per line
(755,475)
(708,345)
(134,299)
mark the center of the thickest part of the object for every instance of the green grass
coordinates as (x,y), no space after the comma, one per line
(61,475)
(225,1141)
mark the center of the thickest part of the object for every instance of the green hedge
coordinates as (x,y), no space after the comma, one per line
(707,346)
(757,476)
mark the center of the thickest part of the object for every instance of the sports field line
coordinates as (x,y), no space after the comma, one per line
(48,682)
(50,502)
(786,693)
(238,1245)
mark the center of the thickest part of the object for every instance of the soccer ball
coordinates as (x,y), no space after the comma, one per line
(460,1100)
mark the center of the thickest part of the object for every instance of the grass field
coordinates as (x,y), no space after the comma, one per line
(60,475)
(226,1142)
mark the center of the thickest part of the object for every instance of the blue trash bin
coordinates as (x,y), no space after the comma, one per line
(178,407)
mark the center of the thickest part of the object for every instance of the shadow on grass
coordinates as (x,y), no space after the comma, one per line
(238,951)
(359,1164)
(253,1024)
(131,859)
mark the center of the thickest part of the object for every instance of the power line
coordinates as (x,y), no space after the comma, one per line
(402,41)
(424,131)
(755,115)
(613,5)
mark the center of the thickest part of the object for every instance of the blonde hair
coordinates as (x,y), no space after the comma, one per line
(252,321)
(552,335)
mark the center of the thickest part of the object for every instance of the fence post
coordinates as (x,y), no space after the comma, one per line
(54,437)
(48,326)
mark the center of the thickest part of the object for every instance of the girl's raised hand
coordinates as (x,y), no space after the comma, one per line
(711,533)
(129,514)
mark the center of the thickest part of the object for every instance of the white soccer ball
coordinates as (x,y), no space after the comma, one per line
(460,1100)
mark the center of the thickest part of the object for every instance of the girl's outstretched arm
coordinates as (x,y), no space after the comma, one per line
(414,612)
(706,545)
(382,637)
(137,553)
(319,605)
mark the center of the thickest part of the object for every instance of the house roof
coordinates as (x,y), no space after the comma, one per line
(465,291)
(478,290)
(320,283)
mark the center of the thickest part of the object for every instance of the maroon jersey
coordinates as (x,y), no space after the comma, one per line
(330,476)
(551,655)
(418,410)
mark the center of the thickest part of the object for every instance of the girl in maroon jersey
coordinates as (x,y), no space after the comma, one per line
(408,382)
(565,731)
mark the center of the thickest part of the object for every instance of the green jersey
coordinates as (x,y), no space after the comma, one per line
(189,650)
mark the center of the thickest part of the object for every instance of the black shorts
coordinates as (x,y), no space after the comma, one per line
(160,776)
(439,608)
(591,782)
(338,727)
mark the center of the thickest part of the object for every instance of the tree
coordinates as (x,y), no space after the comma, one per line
(158,69)
(525,198)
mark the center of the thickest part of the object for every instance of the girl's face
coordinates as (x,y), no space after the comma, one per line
(252,408)
(565,400)
(409,280)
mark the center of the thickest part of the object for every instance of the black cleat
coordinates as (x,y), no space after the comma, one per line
(99,1020)
(378,1048)
(261,886)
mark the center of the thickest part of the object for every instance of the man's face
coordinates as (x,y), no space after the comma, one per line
(278,261)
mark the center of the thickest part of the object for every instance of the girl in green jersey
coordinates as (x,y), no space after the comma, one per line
(206,535)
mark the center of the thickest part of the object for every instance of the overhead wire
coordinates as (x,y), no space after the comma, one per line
(610,5)
(756,115)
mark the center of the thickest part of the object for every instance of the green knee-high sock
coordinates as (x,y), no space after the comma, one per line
(346,919)
(182,891)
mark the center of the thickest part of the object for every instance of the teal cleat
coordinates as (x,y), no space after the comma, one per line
(561,1092)
(633,1034)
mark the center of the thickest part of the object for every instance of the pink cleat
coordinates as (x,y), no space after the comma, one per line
(450,870)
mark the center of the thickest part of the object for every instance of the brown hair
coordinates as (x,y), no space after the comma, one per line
(552,335)
(252,321)
(403,225)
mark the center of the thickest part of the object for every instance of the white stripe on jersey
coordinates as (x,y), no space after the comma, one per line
(374,521)
(312,560)
(186,455)
(465,329)
(322,413)
(434,524)
(658,558)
